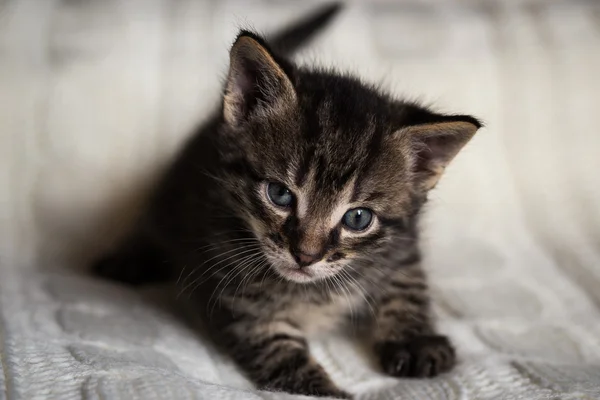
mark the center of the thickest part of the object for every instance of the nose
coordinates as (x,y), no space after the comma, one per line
(305,259)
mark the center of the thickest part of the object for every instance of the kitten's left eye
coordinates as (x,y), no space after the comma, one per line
(358,219)
(279,194)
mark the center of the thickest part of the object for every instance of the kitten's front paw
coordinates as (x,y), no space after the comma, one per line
(419,357)
(327,390)
(316,389)
(309,384)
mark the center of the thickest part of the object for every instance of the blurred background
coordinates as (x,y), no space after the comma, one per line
(97,95)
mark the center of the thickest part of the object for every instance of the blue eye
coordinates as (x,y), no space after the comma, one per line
(358,219)
(279,194)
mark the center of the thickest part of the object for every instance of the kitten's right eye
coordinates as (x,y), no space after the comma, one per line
(279,194)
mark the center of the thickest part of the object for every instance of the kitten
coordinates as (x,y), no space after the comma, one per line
(295,210)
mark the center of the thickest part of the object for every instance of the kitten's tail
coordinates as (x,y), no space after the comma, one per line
(291,39)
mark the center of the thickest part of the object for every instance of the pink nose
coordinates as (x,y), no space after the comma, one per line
(304,259)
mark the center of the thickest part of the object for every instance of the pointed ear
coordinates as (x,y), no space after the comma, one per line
(435,144)
(256,83)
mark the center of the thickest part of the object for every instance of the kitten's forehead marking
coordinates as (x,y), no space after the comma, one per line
(305,192)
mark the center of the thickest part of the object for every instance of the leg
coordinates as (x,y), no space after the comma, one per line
(405,340)
(275,356)
(137,261)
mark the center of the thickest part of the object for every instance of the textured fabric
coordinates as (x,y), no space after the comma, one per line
(96,95)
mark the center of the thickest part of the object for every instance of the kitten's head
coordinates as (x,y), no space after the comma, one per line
(323,168)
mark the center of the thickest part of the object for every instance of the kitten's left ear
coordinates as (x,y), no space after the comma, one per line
(256,83)
(436,144)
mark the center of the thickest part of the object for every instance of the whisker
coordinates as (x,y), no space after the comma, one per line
(363,293)
(246,265)
(234,273)
(180,274)
(237,264)
(245,250)
(216,245)
(346,296)
(252,252)
(255,267)
(364,276)
(267,271)
(231,232)
(198,284)
(245,246)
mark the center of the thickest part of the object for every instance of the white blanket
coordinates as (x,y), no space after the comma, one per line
(96,95)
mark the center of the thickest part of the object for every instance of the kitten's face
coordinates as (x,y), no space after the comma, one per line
(324,168)
(329,188)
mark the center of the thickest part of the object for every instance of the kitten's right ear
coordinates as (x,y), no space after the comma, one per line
(256,83)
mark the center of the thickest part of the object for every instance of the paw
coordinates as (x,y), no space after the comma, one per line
(328,390)
(418,357)
(320,391)
(309,388)
(309,383)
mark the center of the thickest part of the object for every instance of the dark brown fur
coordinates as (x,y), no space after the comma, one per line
(334,142)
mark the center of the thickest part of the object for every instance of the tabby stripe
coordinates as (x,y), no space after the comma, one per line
(288,366)
(369,240)
(416,298)
(265,350)
(302,172)
(284,348)
(342,180)
(419,286)
(242,167)
(253,294)
(278,337)
(397,223)
(392,312)
(372,197)
(375,143)
(321,168)
(408,322)
(413,258)
(420,301)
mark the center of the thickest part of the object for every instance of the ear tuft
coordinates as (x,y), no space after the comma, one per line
(256,83)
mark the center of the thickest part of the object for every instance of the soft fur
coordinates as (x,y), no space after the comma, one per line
(337,144)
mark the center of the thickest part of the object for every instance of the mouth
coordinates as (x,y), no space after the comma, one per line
(295,274)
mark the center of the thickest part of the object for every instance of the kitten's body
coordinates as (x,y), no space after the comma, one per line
(337,144)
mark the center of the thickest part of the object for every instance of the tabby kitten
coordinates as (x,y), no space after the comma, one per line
(295,209)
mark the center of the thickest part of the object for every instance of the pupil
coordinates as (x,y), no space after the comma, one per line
(358,218)
(279,194)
